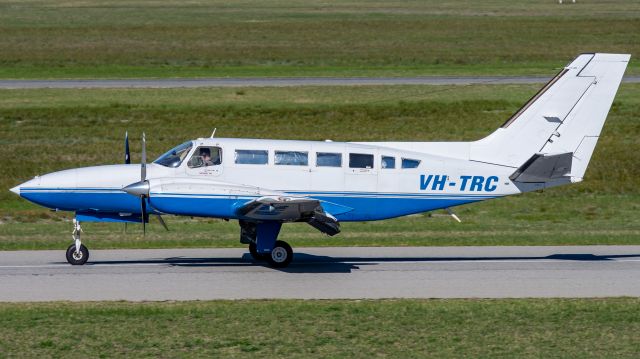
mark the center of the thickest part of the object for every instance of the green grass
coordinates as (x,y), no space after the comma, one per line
(48,130)
(530,328)
(106,39)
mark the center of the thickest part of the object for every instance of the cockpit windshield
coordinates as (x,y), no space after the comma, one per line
(175,156)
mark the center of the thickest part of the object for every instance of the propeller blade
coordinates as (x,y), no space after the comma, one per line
(145,215)
(143,171)
(163,223)
(127,155)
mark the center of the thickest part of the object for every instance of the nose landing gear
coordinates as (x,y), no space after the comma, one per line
(77,253)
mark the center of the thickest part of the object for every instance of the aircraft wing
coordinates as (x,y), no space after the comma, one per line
(279,208)
(291,209)
(268,205)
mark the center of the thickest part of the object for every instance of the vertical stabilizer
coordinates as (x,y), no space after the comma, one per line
(565,117)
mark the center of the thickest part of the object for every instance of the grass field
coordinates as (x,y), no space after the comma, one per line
(47,130)
(96,39)
(545,328)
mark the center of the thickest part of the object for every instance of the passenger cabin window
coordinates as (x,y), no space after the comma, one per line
(292,158)
(409,163)
(328,159)
(175,156)
(205,156)
(360,160)
(388,162)
(252,157)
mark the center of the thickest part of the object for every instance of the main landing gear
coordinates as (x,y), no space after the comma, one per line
(263,243)
(281,255)
(77,253)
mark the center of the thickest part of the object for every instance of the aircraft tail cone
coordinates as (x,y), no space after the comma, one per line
(138,189)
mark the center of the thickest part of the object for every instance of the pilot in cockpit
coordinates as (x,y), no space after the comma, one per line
(205,153)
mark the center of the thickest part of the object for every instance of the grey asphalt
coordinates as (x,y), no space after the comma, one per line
(276,82)
(376,272)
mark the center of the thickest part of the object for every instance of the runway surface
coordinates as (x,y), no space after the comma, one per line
(276,82)
(404,272)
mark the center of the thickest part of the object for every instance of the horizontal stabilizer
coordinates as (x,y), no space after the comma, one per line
(544,168)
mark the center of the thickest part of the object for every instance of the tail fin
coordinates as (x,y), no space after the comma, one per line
(564,118)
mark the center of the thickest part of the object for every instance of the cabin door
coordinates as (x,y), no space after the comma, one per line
(361,172)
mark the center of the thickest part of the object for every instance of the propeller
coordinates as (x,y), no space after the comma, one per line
(163,223)
(141,189)
(145,215)
(127,160)
(127,155)
(143,178)
(143,161)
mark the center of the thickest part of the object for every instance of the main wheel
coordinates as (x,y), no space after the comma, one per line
(253,249)
(281,255)
(79,258)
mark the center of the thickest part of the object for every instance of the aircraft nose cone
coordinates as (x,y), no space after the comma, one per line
(138,189)
(16,190)
(29,184)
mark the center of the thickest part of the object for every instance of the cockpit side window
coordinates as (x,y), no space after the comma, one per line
(205,156)
(174,157)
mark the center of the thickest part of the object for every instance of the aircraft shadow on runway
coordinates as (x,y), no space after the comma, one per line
(309,263)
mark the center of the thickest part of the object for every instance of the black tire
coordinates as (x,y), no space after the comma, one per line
(253,249)
(81,258)
(281,255)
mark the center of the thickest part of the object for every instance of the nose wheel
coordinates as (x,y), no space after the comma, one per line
(77,257)
(77,253)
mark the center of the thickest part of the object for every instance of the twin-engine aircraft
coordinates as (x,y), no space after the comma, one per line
(265,183)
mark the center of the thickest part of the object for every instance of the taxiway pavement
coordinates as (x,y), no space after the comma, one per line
(336,272)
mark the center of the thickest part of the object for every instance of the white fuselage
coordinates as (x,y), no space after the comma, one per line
(350,190)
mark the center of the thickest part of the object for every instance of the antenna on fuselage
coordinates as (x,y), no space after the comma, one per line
(453,214)
(214,132)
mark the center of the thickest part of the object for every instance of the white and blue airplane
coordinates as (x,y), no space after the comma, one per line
(265,183)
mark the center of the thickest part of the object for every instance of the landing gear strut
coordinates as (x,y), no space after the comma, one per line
(263,243)
(77,253)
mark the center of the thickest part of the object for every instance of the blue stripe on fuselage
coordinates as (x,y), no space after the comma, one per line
(366,205)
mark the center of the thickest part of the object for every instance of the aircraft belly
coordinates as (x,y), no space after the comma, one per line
(367,208)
